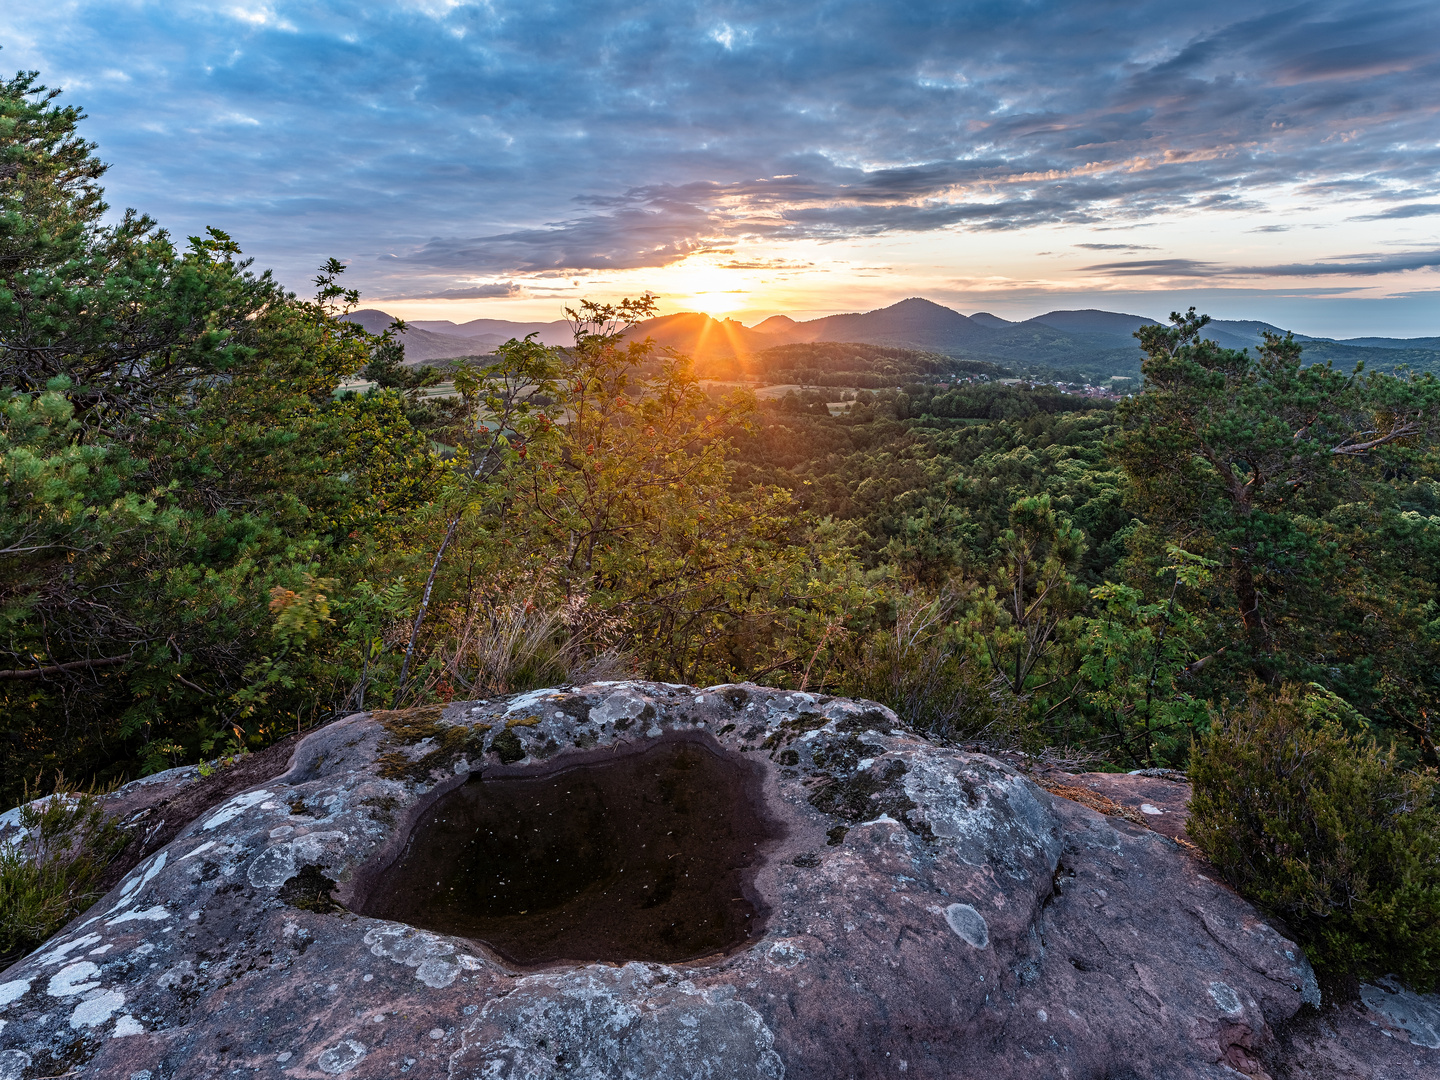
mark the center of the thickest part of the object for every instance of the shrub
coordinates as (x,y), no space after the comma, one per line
(1325,831)
(919,668)
(50,869)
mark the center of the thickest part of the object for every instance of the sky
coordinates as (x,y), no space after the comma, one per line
(1276,161)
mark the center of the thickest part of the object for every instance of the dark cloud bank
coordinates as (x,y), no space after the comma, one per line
(449,146)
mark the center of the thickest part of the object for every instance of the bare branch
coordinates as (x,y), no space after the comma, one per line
(55,669)
(1400,431)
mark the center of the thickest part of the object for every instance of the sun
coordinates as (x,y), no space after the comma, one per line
(718,303)
(708,288)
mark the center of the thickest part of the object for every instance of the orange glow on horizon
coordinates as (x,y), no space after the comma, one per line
(714,303)
(698,284)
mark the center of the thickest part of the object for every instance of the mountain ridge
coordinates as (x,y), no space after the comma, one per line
(1088,342)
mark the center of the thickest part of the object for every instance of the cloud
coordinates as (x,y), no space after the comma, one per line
(1407,211)
(1157,268)
(508,139)
(1361,266)
(1352,266)
(795,265)
(1116,247)
(652,235)
(496,290)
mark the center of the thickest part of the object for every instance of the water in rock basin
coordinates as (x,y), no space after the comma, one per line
(647,856)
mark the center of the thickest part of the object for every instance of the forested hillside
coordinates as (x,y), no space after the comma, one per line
(831,363)
(206,544)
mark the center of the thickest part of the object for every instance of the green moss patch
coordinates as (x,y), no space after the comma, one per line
(310,890)
(411,725)
(507,745)
(451,740)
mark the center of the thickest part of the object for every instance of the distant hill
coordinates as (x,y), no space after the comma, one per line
(1091,321)
(374,322)
(1243,334)
(913,323)
(1390,342)
(984,318)
(775,324)
(420,345)
(1083,345)
(1093,324)
(701,337)
(499,331)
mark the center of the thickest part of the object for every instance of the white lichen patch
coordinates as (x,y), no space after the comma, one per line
(176,975)
(317,847)
(1418,1015)
(155,913)
(436,961)
(97,1010)
(437,972)
(1225,998)
(141,876)
(529,702)
(278,864)
(70,980)
(633,1021)
(14,990)
(272,867)
(59,952)
(969,925)
(993,817)
(342,1057)
(784,954)
(200,850)
(127,1025)
(621,705)
(231,810)
(883,719)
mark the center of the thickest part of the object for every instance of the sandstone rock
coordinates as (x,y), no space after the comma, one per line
(918,911)
(1389,1031)
(155,808)
(1162,801)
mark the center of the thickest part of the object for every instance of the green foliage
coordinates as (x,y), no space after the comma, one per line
(987,401)
(49,870)
(1329,832)
(917,663)
(928,501)
(611,509)
(1027,609)
(1292,478)
(633,496)
(173,454)
(1135,664)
